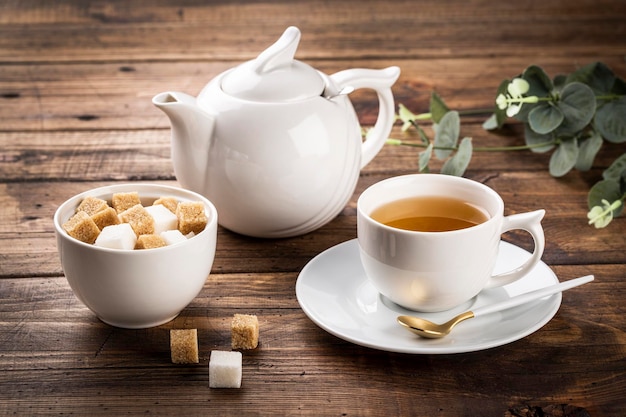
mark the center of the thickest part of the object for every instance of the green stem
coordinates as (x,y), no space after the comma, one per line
(610,97)
(514,148)
(398,142)
(422,116)
(469,112)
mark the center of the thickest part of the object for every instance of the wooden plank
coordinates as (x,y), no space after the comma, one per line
(226,30)
(120,155)
(30,207)
(117,96)
(86,155)
(72,165)
(76,82)
(48,336)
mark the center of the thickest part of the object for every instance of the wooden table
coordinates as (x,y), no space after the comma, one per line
(76,82)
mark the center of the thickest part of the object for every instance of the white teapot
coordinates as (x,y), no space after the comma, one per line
(275,144)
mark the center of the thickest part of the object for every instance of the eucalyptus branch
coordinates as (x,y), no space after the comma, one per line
(571,116)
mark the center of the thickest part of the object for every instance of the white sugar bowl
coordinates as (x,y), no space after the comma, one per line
(137,288)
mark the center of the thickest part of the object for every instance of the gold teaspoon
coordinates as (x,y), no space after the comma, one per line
(430,330)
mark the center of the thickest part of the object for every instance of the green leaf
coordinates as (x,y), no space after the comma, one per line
(619,87)
(545,118)
(533,138)
(578,105)
(540,83)
(596,75)
(404,113)
(491,123)
(438,108)
(460,160)
(616,170)
(605,190)
(587,152)
(564,158)
(610,120)
(559,82)
(424,158)
(447,134)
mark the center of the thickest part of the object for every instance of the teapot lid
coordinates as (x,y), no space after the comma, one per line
(275,75)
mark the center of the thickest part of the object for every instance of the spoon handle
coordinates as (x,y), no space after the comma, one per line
(532,295)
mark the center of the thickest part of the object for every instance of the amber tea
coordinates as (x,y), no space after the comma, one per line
(430,214)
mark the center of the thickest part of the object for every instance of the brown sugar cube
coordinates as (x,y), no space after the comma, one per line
(150,242)
(82,227)
(170,203)
(106,217)
(184,345)
(92,205)
(139,219)
(191,217)
(123,201)
(244,331)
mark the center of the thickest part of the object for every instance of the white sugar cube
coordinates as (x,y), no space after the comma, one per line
(117,236)
(163,218)
(225,369)
(173,236)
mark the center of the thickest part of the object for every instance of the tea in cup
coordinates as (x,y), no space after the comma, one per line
(429,242)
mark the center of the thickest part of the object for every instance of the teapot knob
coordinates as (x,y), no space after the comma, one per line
(280,54)
(275,75)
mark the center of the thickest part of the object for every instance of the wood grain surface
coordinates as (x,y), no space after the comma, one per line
(76,82)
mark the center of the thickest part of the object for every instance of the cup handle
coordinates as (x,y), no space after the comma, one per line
(380,81)
(530,222)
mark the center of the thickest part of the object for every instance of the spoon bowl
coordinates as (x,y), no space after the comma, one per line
(430,330)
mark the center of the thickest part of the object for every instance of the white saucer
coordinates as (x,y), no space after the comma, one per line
(335,293)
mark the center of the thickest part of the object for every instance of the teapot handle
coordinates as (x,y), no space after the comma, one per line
(380,81)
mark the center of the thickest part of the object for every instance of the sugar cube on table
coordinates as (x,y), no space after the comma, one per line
(173,236)
(225,369)
(117,236)
(184,346)
(244,331)
(163,218)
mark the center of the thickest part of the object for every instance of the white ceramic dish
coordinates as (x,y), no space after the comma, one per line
(335,293)
(137,288)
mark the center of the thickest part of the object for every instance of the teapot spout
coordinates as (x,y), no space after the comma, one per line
(192,131)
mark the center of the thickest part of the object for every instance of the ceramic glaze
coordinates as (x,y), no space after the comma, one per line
(137,288)
(275,144)
(437,271)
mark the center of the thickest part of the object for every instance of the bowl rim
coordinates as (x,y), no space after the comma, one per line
(70,204)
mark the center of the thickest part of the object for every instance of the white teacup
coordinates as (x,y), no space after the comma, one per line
(438,270)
